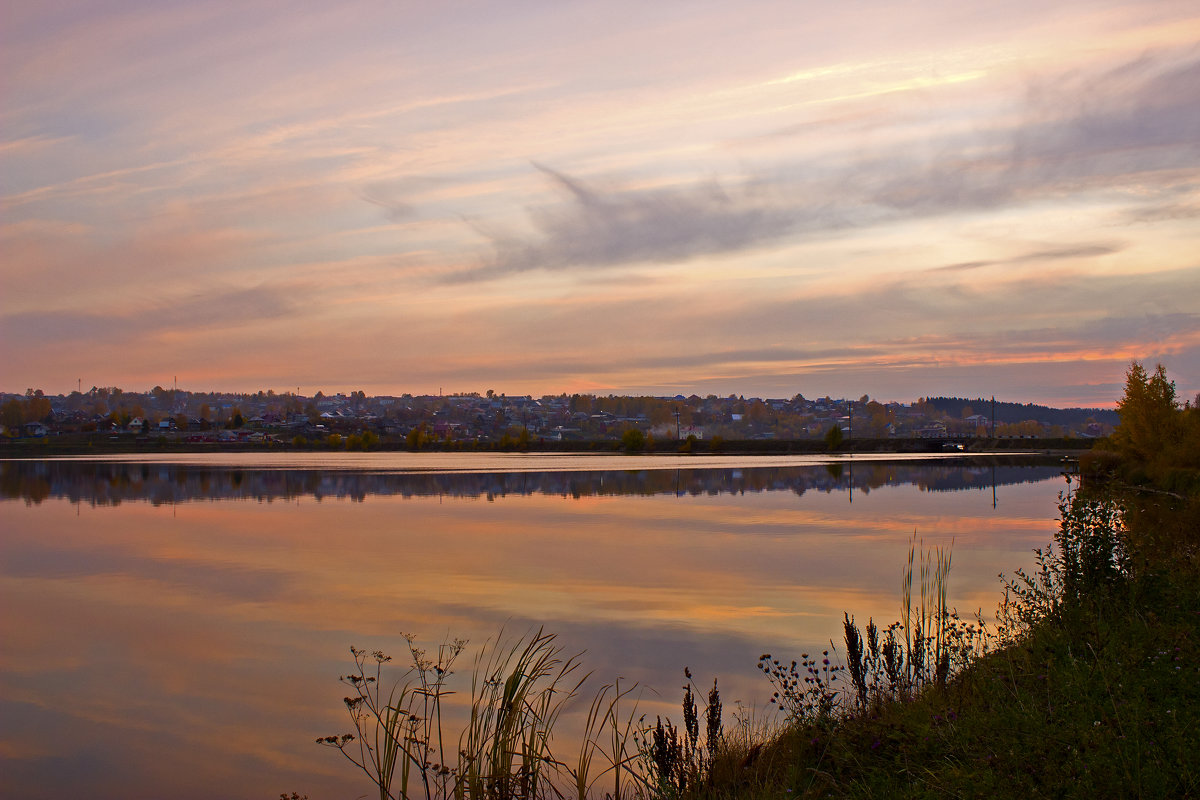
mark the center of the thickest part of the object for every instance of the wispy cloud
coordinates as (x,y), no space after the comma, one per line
(1079,136)
(596,228)
(1036,256)
(144,321)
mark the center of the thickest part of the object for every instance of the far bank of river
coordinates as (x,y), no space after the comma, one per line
(155,445)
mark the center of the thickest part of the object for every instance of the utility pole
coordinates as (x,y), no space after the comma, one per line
(677,425)
(993,416)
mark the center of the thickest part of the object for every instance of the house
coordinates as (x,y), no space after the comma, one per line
(934,430)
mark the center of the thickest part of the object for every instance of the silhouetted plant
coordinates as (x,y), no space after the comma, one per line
(803,691)
(666,759)
(856,661)
(1088,556)
(925,623)
(676,765)
(937,642)
(893,660)
(714,729)
(518,691)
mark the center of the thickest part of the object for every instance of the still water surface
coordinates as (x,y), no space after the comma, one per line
(177,628)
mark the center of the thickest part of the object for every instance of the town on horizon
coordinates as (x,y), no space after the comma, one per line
(491,417)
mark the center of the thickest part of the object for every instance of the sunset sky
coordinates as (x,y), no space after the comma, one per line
(764,198)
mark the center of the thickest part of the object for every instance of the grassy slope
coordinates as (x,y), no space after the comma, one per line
(1100,702)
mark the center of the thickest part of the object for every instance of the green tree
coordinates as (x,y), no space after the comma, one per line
(834,437)
(633,441)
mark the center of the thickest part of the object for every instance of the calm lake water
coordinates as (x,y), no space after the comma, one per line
(177,628)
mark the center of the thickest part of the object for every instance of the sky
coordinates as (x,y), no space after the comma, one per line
(761,198)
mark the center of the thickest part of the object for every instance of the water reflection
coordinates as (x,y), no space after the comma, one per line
(175,630)
(110,483)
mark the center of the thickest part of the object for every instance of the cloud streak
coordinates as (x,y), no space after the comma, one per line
(594,228)
(149,320)
(1037,256)
(1137,122)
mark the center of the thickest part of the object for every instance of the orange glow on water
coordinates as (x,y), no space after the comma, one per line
(216,628)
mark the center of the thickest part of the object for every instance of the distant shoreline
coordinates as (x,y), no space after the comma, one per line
(101,444)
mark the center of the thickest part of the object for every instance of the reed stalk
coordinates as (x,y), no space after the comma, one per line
(926,622)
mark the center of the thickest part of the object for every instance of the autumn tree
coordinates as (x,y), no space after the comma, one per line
(1149,412)
(37,407)
(12,414)
(877,419)
(661,414)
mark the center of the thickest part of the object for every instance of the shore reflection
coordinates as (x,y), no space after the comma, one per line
(112,482)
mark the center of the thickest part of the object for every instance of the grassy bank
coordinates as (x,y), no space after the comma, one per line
(1091,687)
(1101,702)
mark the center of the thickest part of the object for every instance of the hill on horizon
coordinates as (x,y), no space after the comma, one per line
(1019,412)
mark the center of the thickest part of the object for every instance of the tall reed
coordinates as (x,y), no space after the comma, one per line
(519,690)
(926,624)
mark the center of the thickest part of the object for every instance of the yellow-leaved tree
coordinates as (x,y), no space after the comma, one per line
(1158,431)
(1150,419)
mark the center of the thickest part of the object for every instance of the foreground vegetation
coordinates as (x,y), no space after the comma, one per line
(1088,683)
(1091,688)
